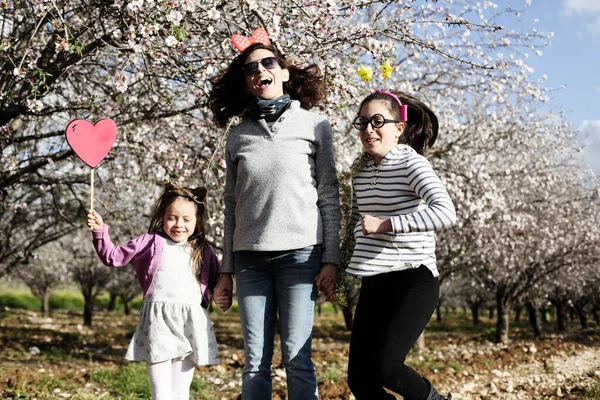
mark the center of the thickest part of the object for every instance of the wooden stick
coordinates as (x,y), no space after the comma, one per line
(92,190)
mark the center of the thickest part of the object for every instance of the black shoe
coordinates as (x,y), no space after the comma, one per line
(435,395)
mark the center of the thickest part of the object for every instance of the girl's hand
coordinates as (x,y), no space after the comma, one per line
(326,279)
(94,221)
(371,224)
(223,292)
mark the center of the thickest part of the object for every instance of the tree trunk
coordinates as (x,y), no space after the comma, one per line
(582,317)
(112,302)
(571,314)
(88,309)
(438,313)
(503,321)
(491,312)
(544,315)
(127,307)
(347,313)
(475,313)
(534,318)
(518,314)
(596,315)
(46,302)
(561,316)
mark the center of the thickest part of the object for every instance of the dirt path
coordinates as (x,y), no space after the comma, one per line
(550,369)
(36,352)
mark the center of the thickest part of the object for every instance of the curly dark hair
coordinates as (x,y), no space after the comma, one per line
(422,126)
(229,95)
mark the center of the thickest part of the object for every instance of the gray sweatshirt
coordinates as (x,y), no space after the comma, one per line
(281,191)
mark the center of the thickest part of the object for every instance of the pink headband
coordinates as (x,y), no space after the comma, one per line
(242,42)
(403,107)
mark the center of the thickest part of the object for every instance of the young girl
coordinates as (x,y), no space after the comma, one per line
(281,211)
(176,269)
(398,202)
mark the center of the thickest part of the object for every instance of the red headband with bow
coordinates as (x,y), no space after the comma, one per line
(242,42)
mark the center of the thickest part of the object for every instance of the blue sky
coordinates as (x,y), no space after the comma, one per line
(572,59)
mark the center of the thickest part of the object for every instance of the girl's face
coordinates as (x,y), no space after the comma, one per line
(179,220)
(265,83)
(379,141)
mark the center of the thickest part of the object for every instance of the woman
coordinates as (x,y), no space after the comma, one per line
(281,211)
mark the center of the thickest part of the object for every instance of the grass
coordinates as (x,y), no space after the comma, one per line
(333,374)
(48,383)
(202,390)
(87,363)
(593,393)
(427,361)
(71,299)
(20,300)
(59,300)
(57,354)
(455,366)
(488,362)
(130,381)
(44,386)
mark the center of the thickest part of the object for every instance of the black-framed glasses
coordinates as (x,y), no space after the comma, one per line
(376,121)
(267,62)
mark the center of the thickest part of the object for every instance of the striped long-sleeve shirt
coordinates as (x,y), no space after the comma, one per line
(404,188)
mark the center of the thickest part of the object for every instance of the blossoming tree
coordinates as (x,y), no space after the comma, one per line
(146,65)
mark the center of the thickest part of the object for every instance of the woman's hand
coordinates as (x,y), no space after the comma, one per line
(371,224)
(326,279)
(94,221)
(223,293)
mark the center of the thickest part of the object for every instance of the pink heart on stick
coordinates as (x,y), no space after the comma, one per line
(91,142)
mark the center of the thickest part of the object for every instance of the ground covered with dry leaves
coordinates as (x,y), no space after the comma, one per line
(56,357)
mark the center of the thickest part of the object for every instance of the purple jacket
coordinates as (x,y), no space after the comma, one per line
(145,252)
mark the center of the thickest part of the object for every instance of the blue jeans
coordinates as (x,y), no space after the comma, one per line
(281,282)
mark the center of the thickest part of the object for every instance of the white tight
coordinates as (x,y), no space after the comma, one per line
(171,379)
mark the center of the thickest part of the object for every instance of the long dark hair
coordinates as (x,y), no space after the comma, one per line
(197,239)
(422,126)
(229,95)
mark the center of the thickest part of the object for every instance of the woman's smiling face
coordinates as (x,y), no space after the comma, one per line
(265,83)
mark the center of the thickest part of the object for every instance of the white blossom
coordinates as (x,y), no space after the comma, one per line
(175,16)
(120,83)
(19,72)
(171,41)
(214,14)
(35,105)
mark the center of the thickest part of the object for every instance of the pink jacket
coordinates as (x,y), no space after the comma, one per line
(145,252)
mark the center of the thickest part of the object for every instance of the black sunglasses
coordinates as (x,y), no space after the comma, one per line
(267,62)
(376,121)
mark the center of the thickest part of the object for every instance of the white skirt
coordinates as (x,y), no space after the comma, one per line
(173,331)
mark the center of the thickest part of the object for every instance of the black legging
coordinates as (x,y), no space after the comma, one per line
(392,311)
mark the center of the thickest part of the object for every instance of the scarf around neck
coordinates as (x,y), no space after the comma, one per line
(269,108)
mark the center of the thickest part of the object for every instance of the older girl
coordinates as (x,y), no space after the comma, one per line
(398,203)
